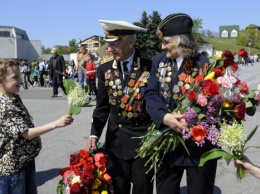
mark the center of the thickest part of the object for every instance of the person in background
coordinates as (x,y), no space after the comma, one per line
(20,139)
(35,75)
(91,74)
(122,79)
(180,53)
(26,72)
(96,59)
(41,71)
(249,166)
(81,63)
(56,72)
(71,71)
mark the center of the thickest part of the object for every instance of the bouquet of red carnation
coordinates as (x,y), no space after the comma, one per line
(86,174)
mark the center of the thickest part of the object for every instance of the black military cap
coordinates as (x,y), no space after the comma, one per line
(175,24)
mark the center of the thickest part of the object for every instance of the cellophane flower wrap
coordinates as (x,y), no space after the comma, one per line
(77,96)
(86,174)
(213,107)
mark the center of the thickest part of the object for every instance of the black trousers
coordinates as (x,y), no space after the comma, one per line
(57,82)
(125,172)
(92,86)
(200,180)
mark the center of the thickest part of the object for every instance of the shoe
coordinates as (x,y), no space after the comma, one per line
(53,96)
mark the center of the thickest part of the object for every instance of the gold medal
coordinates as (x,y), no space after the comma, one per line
(145,80)
(124,113)
(130,114)
(180,83)
(135,114)
(168,79)
(111,83)
(119,92)
(175,96)
(187,86)
(122,105)
(142,84)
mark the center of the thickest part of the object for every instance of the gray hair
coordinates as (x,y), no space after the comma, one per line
(186,45)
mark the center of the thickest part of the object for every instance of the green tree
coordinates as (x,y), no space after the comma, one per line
(197,27)
(149,41)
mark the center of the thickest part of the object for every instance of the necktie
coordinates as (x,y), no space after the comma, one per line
(174,69)
(126,73)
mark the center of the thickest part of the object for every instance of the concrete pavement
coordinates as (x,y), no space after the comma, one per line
(60,143)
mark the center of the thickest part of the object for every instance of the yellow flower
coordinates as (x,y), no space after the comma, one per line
(225,104)
(76,179)
(211,75)
(104,192)
(96,184)
(218,54)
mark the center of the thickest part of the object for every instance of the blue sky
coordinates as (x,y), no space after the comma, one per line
(58,22)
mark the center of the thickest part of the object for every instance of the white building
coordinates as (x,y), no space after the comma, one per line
(15,44)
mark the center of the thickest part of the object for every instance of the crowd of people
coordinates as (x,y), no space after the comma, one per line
(130,95)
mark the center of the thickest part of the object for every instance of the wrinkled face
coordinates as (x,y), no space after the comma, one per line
(10,84)
(54,53)
(123,48)
(169,45)
(83,50)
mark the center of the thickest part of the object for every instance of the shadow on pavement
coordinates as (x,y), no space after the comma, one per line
(47,175)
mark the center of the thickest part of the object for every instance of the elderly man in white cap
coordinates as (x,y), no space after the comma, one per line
(122,81)
(56,72)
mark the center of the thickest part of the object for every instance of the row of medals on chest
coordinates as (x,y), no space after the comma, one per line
(164,74)
(131,100)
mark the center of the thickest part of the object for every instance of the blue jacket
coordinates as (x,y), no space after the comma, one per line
(158,106)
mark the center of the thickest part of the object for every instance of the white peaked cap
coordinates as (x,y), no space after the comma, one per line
(115,30)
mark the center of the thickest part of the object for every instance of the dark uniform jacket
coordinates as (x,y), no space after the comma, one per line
(121,104)
(60,66)
(160,99)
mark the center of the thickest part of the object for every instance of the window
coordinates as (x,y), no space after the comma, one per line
(4,34)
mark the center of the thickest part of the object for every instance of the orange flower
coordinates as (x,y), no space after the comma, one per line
(106,177)
(198,133)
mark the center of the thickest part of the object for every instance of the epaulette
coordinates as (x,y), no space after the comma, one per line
(102,61)
(145,55)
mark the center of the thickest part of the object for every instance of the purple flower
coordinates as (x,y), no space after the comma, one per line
(186,134)
(190,116)
(212,134)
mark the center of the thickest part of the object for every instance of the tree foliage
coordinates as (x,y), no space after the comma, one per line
(249,35)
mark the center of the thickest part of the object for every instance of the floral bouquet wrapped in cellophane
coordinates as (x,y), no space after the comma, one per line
(214,101)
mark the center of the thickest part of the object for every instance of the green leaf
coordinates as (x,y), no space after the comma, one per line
(183,144)
(214,154)
(60,187)
(68,85)
(86,89)
(251,134)
(74,110)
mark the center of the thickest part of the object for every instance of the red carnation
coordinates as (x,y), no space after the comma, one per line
(242,52)
(75,188)
(87,178)
(74,159)
(211,88)
(228,55)
(240,110)
(192,95)
(244,88)
(219,71)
